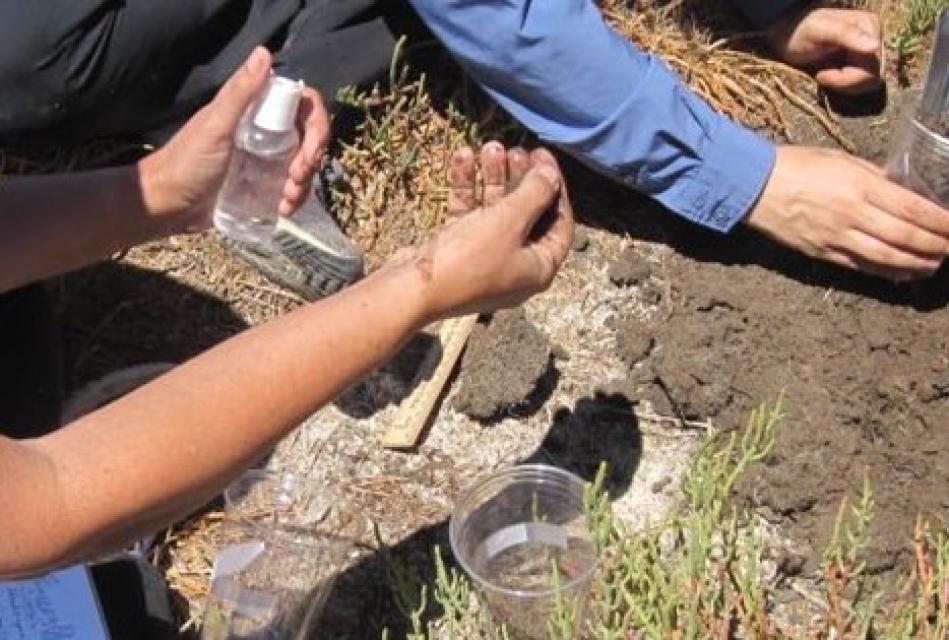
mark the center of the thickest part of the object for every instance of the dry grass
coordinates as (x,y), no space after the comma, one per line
(721,61)
(396,193)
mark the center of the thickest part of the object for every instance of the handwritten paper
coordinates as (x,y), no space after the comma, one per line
(58,606)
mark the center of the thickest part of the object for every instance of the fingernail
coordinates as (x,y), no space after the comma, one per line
(256,61)
(551,175)
(493,147)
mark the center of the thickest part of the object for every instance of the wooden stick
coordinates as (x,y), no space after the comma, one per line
(431,379)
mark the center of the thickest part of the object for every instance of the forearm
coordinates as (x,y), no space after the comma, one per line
(566,75)
(168,447)
(53,224)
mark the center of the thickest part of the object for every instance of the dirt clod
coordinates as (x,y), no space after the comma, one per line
(634,339)
(502,365)
(629,268)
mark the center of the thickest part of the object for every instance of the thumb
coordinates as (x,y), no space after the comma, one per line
(241,89)
(535,194)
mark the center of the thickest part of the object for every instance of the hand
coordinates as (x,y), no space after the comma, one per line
(843,47)
(500,254)
(180,181)
(841,209)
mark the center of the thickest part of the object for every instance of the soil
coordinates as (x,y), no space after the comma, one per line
(629,268)
(860,365)
(504,361)
(865,383)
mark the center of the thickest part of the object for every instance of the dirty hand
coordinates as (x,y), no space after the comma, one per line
(842,47)
(181,180)
(500,254)
(839,208)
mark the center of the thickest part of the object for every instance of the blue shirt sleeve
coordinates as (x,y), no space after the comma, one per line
(556,66)
(761,13)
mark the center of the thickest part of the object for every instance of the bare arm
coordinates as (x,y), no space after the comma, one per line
(159,452)
(53,224)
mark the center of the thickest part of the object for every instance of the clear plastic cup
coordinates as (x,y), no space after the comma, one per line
(270,499)
(933,109)
(276,564)
(920,159)
(920,162)
(522,536)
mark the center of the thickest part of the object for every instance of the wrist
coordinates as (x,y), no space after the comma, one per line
(161,199)
(411,289)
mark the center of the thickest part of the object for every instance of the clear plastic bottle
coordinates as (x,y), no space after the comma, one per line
(265,143)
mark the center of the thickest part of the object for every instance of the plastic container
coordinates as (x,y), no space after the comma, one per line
(920,162)
(933,110)
(522,536)
(920,159)
(276,565)
(271,584)
(264,145)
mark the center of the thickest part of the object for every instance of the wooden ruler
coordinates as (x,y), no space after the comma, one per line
(433,373)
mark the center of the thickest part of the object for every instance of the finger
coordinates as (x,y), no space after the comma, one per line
(901,234)
(314,123)
(540,155)
(536,266)
(241,89)
(839,29)
(493,171)
(544,156)
(869,23)
(856,263)
(294,193)
(911,207)
(879,255)
(556,241)
(892,274)
(518,164)
(848,80)
(462,174)
(535,195)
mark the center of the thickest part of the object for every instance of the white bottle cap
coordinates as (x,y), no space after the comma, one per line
(278,109)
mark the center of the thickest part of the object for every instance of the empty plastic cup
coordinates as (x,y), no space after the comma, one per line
(522,536)
(933,109)
(269,499)
(920,160)
(276,565)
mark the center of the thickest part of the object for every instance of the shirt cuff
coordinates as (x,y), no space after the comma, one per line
(719,192)
(668,143)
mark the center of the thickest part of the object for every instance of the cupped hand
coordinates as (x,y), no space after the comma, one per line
(838,208)
(180,181)
(501,253)
(843,48)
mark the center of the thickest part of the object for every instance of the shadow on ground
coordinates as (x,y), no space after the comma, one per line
(115,315)
(601,202)
(363,604)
